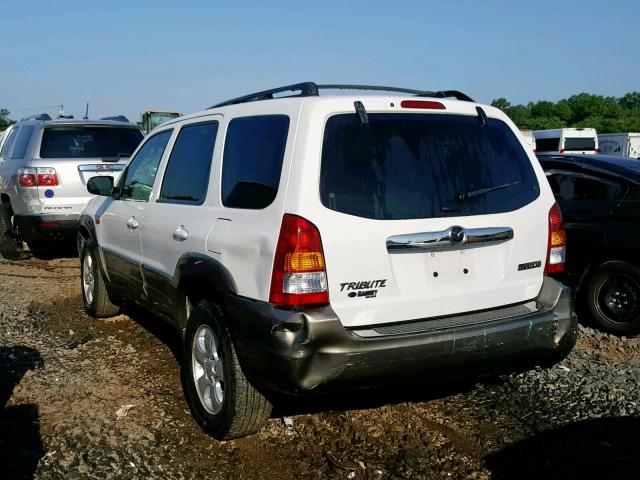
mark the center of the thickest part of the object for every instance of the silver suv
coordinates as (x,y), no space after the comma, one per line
(44,166)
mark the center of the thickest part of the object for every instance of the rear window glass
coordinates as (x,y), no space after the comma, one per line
(89,142)
(22,142)
(548,144)
(252,162)
(404,166)
(585,143)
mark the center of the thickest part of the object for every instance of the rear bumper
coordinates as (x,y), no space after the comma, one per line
(36,227)
(294,352)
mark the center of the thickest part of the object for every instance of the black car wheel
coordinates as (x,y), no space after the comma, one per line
(613,298)
(10,246)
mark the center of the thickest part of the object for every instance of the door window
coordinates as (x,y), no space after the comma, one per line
(141,173)
(573,186)
(187,174)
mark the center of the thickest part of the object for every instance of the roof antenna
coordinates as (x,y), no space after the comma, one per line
(86,112)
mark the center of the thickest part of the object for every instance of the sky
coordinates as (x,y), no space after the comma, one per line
(124,57)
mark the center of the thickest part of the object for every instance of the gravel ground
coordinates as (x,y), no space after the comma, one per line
(81,398)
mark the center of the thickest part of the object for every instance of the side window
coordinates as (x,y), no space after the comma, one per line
(252,162)
(187,174)
(568,186)
(9,142)
(22,141)
(141,173)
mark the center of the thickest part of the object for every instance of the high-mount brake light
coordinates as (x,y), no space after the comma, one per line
(425,104)
(37,177)
(557,243)
(299,277)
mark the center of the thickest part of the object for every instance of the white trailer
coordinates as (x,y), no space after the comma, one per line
(529,139)
(623,144)
(570,140)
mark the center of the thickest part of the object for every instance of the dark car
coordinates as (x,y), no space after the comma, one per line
(599,196)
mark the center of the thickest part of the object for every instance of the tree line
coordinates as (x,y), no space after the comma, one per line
(605,114)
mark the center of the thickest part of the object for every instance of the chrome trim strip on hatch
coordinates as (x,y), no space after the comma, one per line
(453,238)
(113,167)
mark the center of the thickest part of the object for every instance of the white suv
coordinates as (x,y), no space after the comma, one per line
(313,243)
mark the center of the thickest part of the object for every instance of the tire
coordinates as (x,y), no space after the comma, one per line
(612,298)
(229,407)
(9,245)
(94,292)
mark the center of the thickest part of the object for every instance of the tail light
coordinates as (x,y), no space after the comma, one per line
(557,246)
(27,177)
(299,277)
(38,177)
(47,177)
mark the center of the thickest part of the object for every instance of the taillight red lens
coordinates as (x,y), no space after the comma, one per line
(47,177)
(299,278)
(427,104)
(27,177)
(38,177)
(557,242)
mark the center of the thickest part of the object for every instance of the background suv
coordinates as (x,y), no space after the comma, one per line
(317,243)
(44,166)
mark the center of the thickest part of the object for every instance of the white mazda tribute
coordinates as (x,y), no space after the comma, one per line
(306,243)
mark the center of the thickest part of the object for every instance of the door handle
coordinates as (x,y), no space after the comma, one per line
(132,223)
(180,234)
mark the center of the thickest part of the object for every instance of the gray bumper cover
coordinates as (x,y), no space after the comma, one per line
(297,351)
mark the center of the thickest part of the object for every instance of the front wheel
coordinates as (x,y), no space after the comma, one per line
(613,297)
(222,400)
(94,292)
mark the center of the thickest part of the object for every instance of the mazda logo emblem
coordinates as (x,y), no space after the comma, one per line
(457,234)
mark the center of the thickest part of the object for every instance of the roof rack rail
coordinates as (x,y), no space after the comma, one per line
(421,93)
(307,89)
(43,117)
(116,118)
(310,89)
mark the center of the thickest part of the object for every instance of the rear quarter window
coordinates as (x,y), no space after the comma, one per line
(22,141)
(407,166)
(548,144)
(252,161)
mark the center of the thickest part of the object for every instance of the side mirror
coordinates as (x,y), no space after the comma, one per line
(100,186)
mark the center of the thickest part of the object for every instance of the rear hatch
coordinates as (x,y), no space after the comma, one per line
(428,215)
(77,153)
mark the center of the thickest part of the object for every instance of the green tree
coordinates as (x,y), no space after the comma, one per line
(4,118)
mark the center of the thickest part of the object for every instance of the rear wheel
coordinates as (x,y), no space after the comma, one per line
(222,400)
(613,297)
(10,246)
(94,293)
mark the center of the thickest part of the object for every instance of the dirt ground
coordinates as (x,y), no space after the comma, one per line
(81,398)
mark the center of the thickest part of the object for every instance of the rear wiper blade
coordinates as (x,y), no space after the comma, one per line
(116,158)
(464,196)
